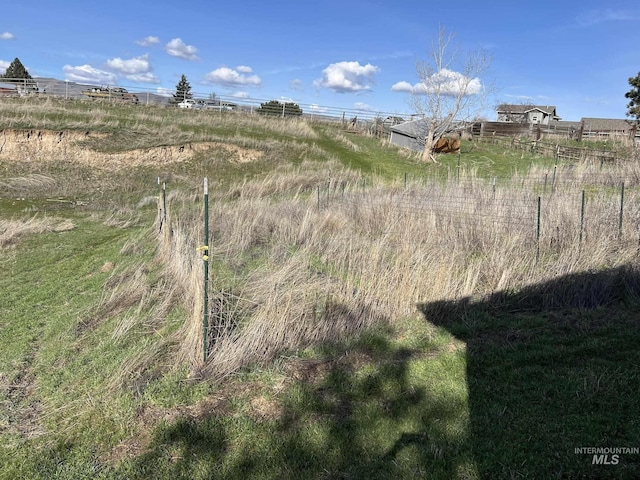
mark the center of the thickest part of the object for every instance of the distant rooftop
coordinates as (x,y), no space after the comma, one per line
(606,124)
(505,107)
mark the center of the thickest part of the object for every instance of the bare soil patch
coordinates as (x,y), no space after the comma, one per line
(48,146)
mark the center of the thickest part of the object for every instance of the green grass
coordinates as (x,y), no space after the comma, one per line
(364,410)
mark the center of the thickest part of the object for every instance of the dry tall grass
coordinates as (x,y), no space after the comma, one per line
(315,268)
(11,231)
(165,124)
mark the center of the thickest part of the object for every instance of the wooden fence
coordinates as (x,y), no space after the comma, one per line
(554,150)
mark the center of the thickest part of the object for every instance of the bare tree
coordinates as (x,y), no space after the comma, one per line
(449,88)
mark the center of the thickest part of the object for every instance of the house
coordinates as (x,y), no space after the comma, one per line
(607,127)
(543,115)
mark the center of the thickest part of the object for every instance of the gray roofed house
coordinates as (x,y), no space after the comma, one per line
(542,114)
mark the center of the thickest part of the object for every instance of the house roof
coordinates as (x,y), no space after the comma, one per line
(419,128)
(606,124)
(565,123)
(548,109)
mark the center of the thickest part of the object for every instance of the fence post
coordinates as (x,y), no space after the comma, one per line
(205,258)
(164,202)
(581,219)
(621,211)
(160,209)
(538,230)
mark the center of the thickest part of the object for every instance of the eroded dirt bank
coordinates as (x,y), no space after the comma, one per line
(47,145)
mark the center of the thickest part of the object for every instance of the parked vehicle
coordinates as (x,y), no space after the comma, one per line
(188,103)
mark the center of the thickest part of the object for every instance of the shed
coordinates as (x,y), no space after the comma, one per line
(412,134)
(606,127)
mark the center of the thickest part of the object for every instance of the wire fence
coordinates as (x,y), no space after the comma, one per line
(545,212)
(558,151)
(376,122)
(469,213)
(202,100)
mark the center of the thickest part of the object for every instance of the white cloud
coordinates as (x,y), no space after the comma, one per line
(146,77)
(526,98)
(232,78)
(363,106)
(88,74)
(404,87)
(315,108)
(343,77)
(240,95)
(6,36)
(137,69)
(295,84)
(165,92)
(445,82)
(132,66)
(594,17)
(3,66)
(148,41)
(177,48)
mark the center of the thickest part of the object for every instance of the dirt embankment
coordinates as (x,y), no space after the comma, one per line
(47,145)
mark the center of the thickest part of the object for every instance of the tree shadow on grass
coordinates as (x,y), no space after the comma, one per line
(552,368)
(356,411)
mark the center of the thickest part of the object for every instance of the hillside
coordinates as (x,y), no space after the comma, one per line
(369,316)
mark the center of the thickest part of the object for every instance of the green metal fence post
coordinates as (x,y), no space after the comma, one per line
(205,258)
(160,208)
(581,218)
(621,211)
(538,231)
(164,202)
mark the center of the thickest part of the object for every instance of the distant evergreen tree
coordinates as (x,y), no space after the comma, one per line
(183,90)
(276,108)
(16,71)
(634,96)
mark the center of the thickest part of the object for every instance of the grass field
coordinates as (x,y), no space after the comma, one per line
(371,316)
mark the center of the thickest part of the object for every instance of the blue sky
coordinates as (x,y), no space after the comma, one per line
(576,55)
